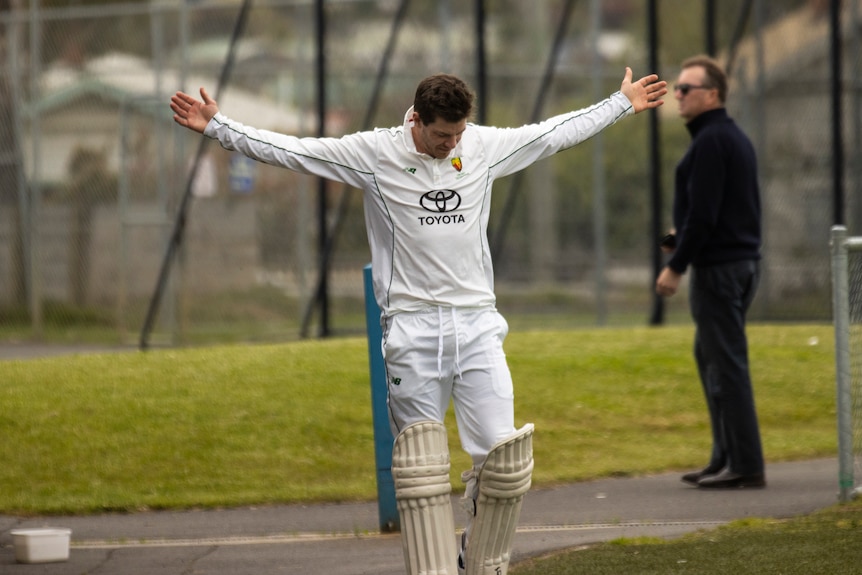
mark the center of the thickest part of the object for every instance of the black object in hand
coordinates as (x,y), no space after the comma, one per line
(668,241)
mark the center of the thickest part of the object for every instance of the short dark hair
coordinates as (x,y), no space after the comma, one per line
(715,74)
(444,96)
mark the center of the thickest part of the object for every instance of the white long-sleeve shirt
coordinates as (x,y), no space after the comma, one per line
(426,218)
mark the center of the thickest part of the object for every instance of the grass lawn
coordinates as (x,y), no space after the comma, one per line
(827,542)
(237,425)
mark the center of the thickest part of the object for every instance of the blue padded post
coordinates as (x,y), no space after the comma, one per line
(383,439)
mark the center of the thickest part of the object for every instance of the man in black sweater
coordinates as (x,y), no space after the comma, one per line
(716,218)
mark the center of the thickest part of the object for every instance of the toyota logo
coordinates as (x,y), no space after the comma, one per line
(440,201)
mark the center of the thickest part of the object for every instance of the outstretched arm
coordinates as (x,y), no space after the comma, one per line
(192,113)
(644,94)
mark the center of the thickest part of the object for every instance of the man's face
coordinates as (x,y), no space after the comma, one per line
(691,95)
(438,138)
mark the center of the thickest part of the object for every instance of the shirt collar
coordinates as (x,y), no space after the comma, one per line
(706,118)
(408,131)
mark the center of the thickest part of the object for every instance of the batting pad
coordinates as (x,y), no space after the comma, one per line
(420,470)
(504,478)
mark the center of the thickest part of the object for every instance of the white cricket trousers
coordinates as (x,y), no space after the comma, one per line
(444,353)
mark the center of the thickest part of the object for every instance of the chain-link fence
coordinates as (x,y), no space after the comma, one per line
(93,170)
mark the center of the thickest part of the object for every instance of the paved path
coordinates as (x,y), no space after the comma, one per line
(344,539)
(23,351)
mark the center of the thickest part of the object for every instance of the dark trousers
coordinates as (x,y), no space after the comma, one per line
(719,297)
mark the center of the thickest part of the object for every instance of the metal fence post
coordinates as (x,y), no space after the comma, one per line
(841,314)
(383,439)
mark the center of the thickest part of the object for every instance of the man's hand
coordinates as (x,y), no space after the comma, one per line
(644,94)
(191,113)
(667,282)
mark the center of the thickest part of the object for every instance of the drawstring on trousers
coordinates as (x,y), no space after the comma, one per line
(440,342)
(457,344)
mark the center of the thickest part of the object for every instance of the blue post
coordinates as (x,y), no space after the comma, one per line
(386,506)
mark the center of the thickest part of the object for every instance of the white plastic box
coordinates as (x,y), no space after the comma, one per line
(41,545)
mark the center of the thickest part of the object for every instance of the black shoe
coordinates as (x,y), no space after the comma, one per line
(727,479)
(695,476)
(462,565)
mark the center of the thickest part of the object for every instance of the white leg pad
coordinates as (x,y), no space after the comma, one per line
(420,470)
(503,480)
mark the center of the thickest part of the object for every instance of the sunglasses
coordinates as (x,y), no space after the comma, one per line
(686,88)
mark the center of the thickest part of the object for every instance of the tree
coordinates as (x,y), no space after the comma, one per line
(90,183)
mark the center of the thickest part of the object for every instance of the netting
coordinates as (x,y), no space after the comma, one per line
(92,168)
